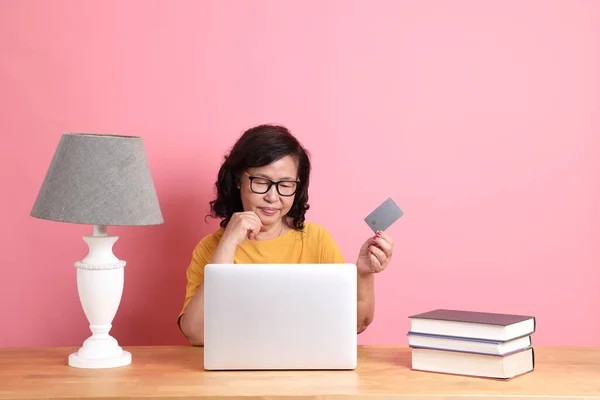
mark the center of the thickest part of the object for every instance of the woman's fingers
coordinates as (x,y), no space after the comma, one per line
(384,245)
(379,254)
(375,264)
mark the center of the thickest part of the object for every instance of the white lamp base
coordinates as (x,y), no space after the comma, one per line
(100,277)
(81,362)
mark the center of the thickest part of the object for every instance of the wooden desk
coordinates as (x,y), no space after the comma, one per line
(383,374)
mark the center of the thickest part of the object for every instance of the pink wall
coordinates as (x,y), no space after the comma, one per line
(480,118)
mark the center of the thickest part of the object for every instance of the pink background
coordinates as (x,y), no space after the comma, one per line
(481,119)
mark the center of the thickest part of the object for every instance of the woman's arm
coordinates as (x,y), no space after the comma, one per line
(374,256)
(366,300)
(192,321)
(239,228)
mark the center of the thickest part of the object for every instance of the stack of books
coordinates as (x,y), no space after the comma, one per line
(487,345)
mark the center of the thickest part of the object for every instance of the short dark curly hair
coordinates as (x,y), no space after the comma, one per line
(257,147)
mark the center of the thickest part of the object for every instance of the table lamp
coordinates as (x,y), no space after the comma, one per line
(101,180)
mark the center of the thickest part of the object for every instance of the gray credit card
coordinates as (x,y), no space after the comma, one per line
(384,216)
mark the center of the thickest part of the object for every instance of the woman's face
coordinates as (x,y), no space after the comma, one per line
(270,206)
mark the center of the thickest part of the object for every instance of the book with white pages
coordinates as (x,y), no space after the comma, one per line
(468,345)
(470,364)
(473,324)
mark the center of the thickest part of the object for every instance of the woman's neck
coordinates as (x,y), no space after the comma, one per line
(271,231)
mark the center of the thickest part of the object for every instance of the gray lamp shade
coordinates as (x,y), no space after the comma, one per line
(99,180)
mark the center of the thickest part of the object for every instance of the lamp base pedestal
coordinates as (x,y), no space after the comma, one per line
(77,361)
(100,277)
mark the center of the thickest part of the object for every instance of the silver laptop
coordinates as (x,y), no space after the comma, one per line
(280,316)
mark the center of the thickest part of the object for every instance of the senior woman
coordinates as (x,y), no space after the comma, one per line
(262,199)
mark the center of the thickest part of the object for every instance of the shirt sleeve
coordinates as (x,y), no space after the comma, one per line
(195,273)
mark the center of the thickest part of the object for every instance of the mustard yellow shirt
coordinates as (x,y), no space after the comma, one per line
(312,245)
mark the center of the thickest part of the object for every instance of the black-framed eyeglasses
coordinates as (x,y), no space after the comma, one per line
(261,185)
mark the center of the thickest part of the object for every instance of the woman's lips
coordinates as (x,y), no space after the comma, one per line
(268,211)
